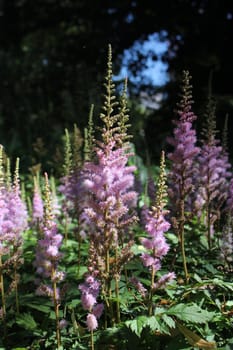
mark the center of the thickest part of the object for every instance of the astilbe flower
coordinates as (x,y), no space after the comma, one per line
(15,220)
(90,291)
(108,180)
(181,178)
(13,223)
(48,256)
(71,188)
(155,244)
(37,204)
(183,172)
(213,174)
(107,186)
(48,252)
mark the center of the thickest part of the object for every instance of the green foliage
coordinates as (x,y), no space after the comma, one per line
(190,313)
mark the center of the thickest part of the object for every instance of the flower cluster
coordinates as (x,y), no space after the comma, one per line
(37,204)
(13,223)
(90,291)
(48,252)
(155,244)
(13,215)
(214,174)
(183,168)
(109,184)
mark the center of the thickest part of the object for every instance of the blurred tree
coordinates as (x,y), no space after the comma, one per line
(52,63)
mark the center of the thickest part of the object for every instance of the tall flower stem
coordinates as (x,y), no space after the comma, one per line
(16,290)
(92,340)
(2,289)
(3,297)
(56,309)
(181,234)
(150,308)
(118,314)
(108,286)
(208,214)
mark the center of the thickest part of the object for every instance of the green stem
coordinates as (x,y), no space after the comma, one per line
(79,254)
(16,291)
(2,290)
(181,233)
(150,307)
(3,298)
(92,341)
(118,313)
(66,229)
(208,227)
(108,286)
(56,309)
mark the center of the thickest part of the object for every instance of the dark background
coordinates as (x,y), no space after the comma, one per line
(53,61)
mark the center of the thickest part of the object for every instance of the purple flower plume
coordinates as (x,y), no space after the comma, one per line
(155,243)
(214,173)
(13,215)
(37,202)
(183,168)
(109,186)
(48,252)
(90,291)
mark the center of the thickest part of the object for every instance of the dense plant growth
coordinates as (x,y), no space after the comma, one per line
(95,260)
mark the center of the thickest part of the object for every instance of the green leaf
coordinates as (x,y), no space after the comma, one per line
(40,307)
(172,237)
(153,323)
(26,321)
(191,313)
(169,321)
(137,325)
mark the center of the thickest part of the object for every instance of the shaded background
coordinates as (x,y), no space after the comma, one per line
(53,60)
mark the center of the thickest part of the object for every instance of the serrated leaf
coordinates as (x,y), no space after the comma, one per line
(26,321)
(223,284)
(191,313)
(194,339)
(137,325)
(169,321)
(153,323)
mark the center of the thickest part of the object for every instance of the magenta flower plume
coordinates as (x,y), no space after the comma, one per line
(47,260)
(109,183)
(109,200)
(213,174)
(91,322)
(14,216)
(13,223)
(155,243)
(48,252)
(183,168)
(37,204)
(90,291)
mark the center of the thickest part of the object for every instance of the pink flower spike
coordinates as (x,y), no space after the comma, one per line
(91,322)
